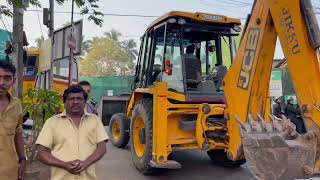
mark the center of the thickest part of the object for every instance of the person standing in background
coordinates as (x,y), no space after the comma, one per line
(294,115)
(277,110)
(12,157)
(85,85)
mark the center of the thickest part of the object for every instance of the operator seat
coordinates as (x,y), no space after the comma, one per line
(221,72)
(192,70)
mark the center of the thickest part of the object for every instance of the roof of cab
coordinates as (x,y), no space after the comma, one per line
(197,16)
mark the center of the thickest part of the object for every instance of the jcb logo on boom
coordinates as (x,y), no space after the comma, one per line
(249,55)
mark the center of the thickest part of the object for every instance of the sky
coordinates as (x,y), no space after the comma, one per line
(130,27)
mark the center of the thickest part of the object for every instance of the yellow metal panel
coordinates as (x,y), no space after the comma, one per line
(301,57)
(302,61)
(59,85)
(135,97)
(160,131)
(34,51)
(198,16)
(201,124)
(30,82)
(247,81)
(176,96)
(175,134)
(145,90)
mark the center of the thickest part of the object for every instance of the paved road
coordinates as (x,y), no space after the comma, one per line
(117,165)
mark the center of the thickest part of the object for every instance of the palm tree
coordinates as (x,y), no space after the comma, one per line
(86,45)
(113,34)
(130,45)
(39,41)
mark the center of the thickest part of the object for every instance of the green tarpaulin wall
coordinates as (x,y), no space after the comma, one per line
(4,37)
(101,85)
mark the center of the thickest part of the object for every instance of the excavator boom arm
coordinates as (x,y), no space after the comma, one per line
(247,81)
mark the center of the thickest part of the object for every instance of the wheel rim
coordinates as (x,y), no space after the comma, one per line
(116,130)
(138,146)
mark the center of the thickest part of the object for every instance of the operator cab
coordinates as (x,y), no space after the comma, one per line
(189,51)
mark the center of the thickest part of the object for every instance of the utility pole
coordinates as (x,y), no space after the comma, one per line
(72,46)
(51,33)
(18,50)
(51,9)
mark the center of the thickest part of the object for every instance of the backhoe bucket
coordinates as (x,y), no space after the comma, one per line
(276,151)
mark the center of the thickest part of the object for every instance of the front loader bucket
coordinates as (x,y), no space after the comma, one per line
(276,151)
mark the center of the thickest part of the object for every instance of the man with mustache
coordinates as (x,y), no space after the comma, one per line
(71,142)
(12,158)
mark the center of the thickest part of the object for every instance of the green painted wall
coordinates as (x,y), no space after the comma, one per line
(4,37)
(101,85)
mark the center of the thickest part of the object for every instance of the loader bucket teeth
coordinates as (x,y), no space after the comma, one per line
(275,151)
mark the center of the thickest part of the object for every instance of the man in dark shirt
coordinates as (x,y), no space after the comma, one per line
(277,111)
(294,115)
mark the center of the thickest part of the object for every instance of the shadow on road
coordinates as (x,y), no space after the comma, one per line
(117,165)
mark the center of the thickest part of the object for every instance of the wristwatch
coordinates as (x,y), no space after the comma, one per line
(22,158)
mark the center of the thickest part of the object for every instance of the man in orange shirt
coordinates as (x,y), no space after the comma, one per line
(12,158)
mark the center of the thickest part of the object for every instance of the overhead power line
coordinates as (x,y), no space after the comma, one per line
(234,2)
(125,15)
(248,3)
(105,14)
(223,4)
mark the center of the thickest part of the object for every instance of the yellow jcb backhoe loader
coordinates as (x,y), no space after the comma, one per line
(190,100)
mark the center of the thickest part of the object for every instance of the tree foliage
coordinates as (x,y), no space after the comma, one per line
(130,45)
(39,41)
(108,56)
(113,34)
(89,7)
(40,104)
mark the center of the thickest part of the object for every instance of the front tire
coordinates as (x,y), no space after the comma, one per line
(141,136)
(119,130)
(219,157)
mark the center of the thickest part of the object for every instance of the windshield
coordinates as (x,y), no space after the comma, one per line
(198,53)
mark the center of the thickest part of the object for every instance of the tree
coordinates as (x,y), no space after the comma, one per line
(39,41)
(5,10)
(113,34)
(87,7)
(106,57)
(130,45)
(86,45)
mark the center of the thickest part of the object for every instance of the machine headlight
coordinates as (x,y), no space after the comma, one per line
(206,108)
(172,20)
(181,21)
(237,28)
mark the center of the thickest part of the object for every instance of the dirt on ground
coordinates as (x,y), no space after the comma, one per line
(37,171)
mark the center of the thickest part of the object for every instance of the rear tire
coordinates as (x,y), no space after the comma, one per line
(119,130)
(219,157)
(141,136)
